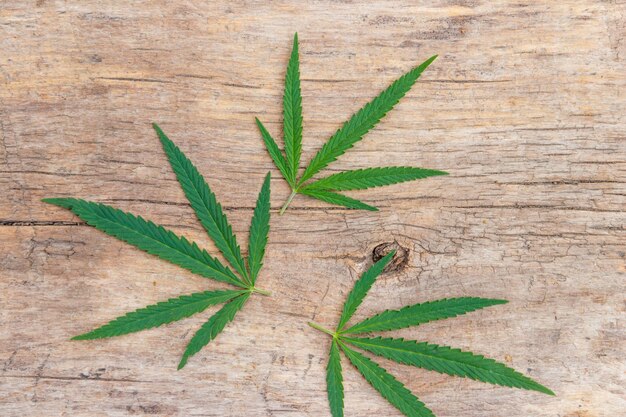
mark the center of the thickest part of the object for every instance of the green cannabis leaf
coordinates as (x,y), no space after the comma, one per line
(165,244)
(424,355)
(351,132)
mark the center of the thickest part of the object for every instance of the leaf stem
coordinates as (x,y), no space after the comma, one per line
(291,196)
(323,329)
(262,292)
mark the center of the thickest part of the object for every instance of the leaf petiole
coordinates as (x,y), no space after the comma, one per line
(291,196)
(323,329)
(259,291)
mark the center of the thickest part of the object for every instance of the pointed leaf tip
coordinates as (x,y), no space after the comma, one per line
(67,203)
(158,129)
(427,63)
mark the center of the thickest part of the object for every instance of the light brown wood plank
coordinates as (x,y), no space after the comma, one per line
(524,107)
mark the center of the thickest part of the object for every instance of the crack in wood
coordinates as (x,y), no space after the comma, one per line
(536,206)
(141,80)
(75,378)
(39,223)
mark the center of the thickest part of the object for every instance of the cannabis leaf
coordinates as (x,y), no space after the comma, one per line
(351,132)
(165,244)
(424,355)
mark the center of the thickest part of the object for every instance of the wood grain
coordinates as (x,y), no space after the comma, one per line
(524,107)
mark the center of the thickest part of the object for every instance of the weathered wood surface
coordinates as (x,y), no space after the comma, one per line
(524,107)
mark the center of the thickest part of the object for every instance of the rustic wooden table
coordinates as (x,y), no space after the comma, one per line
(524,107)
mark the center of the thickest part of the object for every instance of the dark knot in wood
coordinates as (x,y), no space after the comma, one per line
(400,259)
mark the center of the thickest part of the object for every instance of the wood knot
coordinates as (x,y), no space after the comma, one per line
(399,260)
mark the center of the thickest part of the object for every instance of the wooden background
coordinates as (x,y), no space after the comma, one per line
(524,107)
